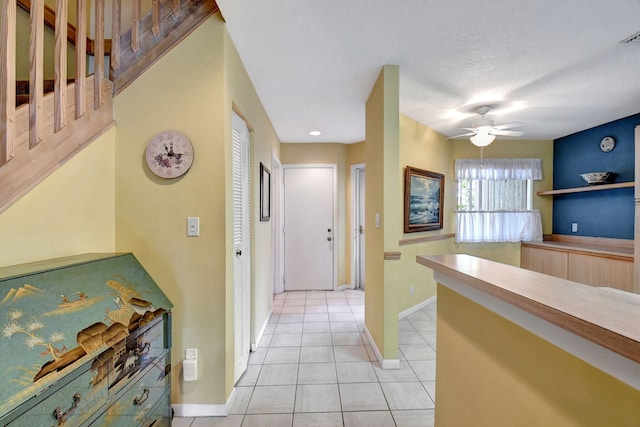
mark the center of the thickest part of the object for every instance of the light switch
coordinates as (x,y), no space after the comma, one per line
(193,226)
(377,220)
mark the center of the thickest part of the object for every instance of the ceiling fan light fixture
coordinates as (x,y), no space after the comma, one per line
(482,138)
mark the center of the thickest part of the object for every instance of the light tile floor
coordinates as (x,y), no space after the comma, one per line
(314,368)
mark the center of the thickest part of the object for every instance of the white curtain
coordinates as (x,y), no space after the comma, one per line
(498,169)
(490,215)
(499,226)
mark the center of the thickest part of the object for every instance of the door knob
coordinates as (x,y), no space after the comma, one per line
(329,238)
(328,230)
(238,252)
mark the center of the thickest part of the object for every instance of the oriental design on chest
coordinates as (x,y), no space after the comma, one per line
(85,341)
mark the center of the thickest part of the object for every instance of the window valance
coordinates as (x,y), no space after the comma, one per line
(498,169)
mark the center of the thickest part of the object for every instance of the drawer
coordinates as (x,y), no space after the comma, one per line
(70,405)
(145,402)
(143,347)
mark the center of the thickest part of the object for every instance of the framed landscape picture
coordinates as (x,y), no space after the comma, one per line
(423,200)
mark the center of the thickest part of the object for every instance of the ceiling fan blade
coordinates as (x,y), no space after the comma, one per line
(508,125)
(505,132)
(464,134)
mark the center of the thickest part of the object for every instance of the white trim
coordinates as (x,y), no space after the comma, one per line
(277,262)
(203,410)
(254,346)
(602,358)
(384,363)
(354,220)
(409,311)
(334,168)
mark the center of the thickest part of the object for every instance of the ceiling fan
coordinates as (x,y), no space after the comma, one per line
(483,131)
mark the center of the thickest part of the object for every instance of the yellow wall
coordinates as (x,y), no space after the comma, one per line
(426,149)
(193,89)
(529,382)
(381,198)
(183,91)
(71,212)
(240,95)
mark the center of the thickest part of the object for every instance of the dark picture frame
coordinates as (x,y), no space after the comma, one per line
(265,193)
(423,200)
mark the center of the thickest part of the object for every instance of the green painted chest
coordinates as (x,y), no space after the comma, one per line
(85,340)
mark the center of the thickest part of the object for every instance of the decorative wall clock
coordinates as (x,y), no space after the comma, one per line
(169,154)
(607,144)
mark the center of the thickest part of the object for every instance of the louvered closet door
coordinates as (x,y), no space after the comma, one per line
(241,246)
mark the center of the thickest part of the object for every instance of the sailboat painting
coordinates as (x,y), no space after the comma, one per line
(423,200)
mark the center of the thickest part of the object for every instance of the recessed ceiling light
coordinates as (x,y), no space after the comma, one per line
(315,133)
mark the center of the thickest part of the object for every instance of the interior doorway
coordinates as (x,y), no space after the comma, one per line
(277,236)
(309,227)
(358,230)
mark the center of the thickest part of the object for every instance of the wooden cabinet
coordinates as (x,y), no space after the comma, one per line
(597,270)
(86,341)
(544,260)
(583,260)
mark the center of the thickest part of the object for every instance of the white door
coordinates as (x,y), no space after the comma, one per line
(309,233)
(241,246)
(359,241)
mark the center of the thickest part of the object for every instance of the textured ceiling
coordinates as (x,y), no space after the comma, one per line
(557,67)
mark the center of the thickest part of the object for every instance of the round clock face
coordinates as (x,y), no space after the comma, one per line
(169,154)
(607,144)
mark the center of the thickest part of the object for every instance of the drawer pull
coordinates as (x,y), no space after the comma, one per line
(140,400)
(62,416)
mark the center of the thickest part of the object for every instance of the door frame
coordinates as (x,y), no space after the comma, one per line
(354,220)
(277,225)
(336,231)
(243,333)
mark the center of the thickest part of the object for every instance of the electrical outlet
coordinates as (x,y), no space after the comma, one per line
(191,353)
(412,290)
(574,227)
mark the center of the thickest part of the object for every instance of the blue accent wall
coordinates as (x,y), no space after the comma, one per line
(607,213)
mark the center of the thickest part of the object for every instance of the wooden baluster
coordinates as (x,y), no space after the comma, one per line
(135,25)
(116,15)
(36,94)
(98,74)
(177,8)
(155,17)
(7,79)
(81,57)
(60,84)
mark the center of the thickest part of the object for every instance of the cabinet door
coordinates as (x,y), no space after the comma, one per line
(601,271)
(547,261)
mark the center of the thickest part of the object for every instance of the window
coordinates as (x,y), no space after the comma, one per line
(495,200)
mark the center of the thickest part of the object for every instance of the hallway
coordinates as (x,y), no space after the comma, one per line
(314,367)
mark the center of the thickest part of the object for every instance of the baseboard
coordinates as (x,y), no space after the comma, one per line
(384,363)
(344,287)
(417,307)
(254,346)
(203,410)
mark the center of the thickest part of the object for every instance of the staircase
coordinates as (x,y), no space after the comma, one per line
(45,123)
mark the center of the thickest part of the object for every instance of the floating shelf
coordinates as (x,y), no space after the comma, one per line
(583,189)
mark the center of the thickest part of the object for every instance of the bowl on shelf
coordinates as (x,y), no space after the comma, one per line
(597,178)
